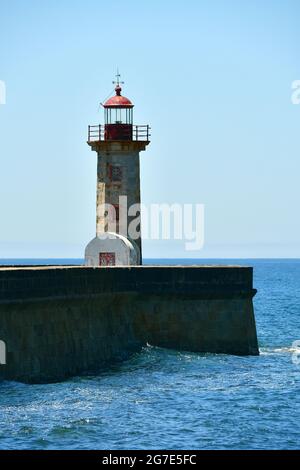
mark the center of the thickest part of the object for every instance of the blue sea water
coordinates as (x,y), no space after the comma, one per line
(163,399)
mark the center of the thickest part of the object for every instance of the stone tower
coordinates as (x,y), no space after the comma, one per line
(118,144)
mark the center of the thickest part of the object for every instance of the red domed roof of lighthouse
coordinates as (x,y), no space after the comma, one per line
(118,101)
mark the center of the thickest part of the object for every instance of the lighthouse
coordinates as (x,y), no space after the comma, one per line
(118,144)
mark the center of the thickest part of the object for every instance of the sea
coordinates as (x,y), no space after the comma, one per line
(167,399)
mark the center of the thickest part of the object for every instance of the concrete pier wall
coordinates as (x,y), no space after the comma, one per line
(57,322)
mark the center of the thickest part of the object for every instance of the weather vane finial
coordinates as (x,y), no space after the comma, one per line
(118,82)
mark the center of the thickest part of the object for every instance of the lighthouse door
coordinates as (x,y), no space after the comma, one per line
(107,259)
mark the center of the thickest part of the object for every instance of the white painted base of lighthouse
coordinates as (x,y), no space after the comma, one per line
(112,249)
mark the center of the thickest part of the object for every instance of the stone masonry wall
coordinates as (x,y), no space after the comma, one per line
(59,322)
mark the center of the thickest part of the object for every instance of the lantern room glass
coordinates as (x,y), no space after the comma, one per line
(118,115)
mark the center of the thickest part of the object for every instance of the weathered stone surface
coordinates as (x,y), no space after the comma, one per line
(118,184)
(62,321)
(125,251)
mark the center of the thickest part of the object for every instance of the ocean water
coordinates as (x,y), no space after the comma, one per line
(162,399)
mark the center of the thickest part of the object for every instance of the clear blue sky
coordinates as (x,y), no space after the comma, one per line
(212,78)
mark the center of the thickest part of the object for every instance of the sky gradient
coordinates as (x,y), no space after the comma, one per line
(213,79)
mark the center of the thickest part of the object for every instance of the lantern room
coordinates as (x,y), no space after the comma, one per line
(118,121)
(118,114)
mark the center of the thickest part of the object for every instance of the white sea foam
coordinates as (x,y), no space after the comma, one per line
(273,351)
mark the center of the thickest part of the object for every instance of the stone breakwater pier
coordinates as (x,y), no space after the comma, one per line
(60,321)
